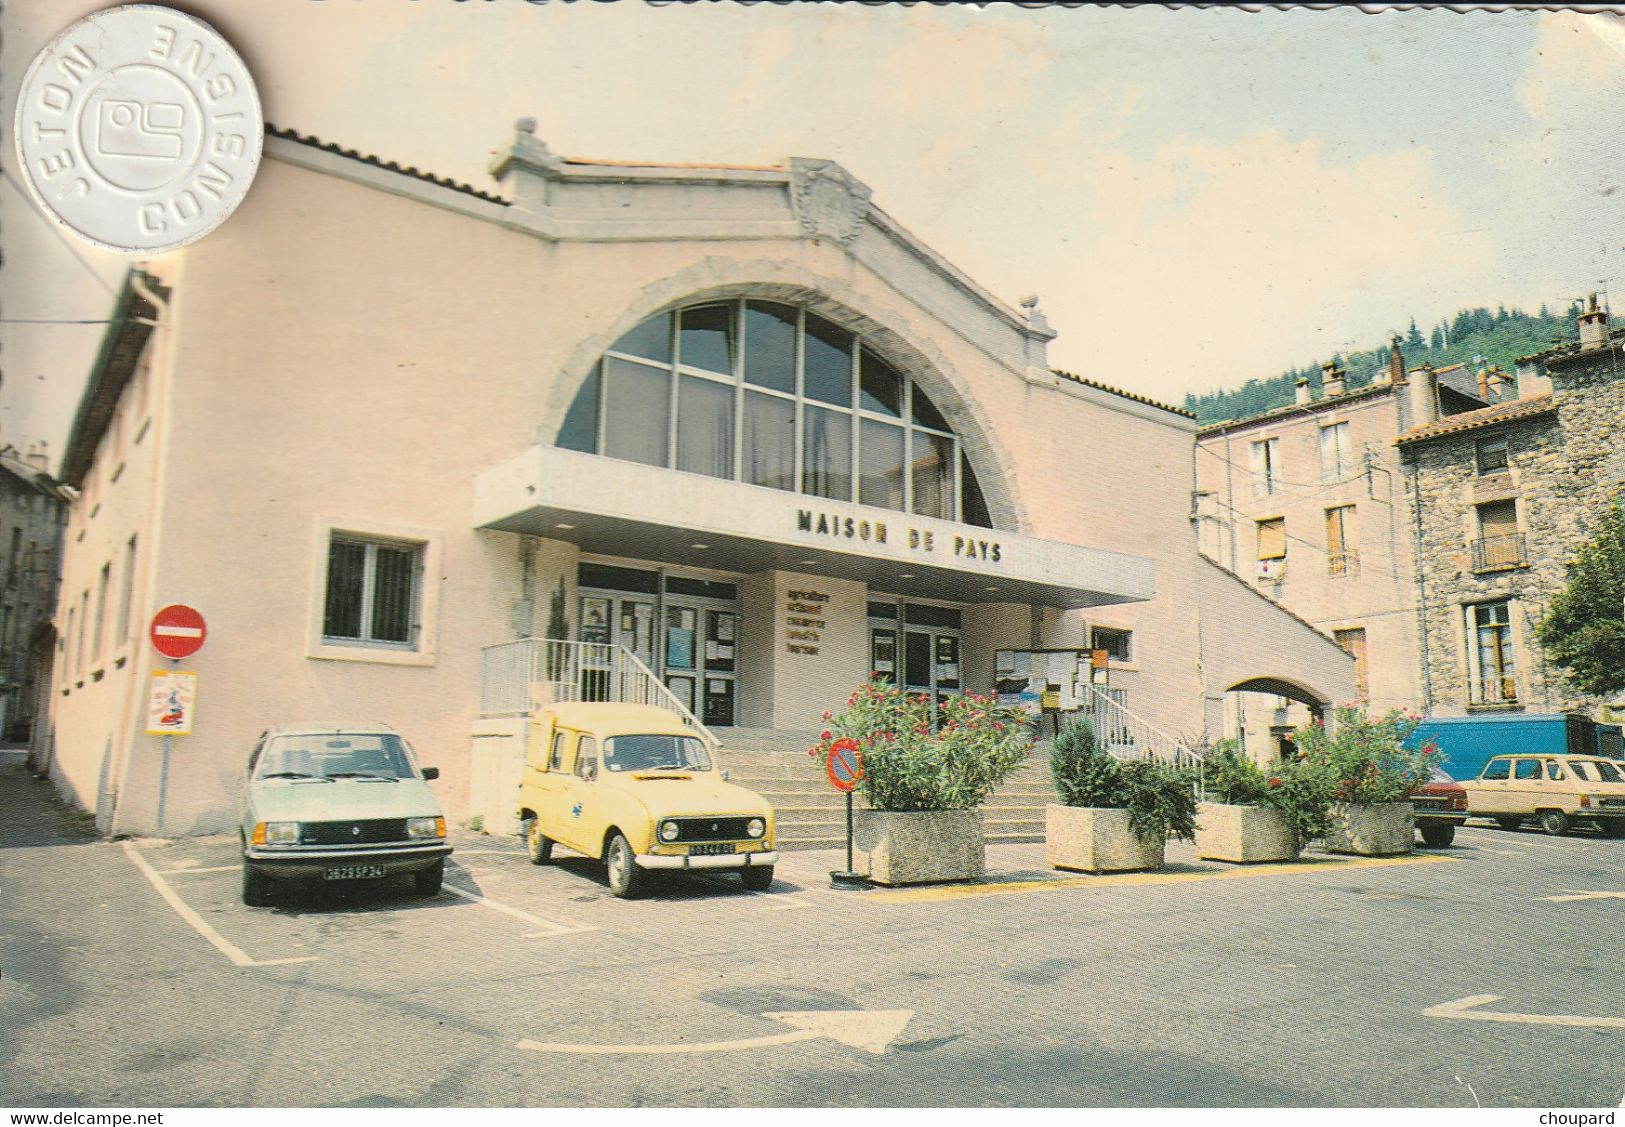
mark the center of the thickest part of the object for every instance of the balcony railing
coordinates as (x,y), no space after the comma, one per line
(1493,552)
(1497,690)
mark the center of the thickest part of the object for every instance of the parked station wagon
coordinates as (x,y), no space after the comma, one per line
(632,786)
(336,803)
(1557,790)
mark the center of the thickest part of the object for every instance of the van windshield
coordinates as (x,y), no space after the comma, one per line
(655,753)
(333,755)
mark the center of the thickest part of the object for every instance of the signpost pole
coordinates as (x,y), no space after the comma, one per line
(163,769)
(849,831)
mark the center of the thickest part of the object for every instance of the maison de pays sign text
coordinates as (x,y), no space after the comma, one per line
(854,528)
(804,621)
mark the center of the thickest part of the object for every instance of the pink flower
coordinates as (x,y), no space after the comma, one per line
(825,735)
(828,715)
(998,725)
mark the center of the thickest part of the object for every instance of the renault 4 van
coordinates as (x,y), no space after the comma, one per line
(633,786)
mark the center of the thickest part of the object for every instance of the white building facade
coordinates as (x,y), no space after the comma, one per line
(736,423)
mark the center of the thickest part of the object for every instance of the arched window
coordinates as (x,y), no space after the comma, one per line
(773,395)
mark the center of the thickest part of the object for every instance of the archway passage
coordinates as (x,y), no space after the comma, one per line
(1261,713)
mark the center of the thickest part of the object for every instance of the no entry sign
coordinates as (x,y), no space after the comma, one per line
(845,765)
(177,631)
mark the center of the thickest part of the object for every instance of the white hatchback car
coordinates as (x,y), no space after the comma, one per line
(338,803)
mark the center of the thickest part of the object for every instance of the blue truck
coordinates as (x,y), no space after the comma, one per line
(1466,743)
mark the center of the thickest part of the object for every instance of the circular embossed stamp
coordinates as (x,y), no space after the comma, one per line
(139,129)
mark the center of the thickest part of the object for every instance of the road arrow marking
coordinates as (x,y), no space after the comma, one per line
(869,1030)
(1460,1007)
(1577,894)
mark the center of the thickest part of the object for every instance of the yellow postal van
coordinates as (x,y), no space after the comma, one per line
(631,785)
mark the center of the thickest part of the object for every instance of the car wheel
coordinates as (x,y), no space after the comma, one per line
(1554,822)
(427,882)
(1438,836)
(757,878)
(538,846)
(625,880)
(256,887)
(1508,821)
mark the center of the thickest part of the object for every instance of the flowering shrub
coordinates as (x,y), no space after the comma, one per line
(1294,789)
(1161,801)
(1365,760)
(913,764)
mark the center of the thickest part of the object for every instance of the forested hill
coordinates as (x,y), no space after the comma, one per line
(1475,337)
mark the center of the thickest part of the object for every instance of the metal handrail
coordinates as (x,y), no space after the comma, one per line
(1499,551)
(520,676)
(1129,736)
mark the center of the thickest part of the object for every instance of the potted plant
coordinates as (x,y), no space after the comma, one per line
(1115,815)
(925,777)
(1253,815)
(1366,775)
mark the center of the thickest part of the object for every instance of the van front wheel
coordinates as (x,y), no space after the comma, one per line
(625,881)
(538,846)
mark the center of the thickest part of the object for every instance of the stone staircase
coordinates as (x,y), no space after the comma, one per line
(812,814)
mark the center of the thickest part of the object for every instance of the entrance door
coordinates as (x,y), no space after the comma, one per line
(610,619)
(931,664)
(701,660)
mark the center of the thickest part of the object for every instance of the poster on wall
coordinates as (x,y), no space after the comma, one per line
(169,705)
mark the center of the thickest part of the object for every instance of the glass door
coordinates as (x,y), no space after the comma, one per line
(679,661)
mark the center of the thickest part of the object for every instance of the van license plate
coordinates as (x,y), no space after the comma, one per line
(354,872)
(711,849)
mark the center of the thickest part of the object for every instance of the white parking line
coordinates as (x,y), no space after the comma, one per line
(197,869)
(550,927)
(195,921)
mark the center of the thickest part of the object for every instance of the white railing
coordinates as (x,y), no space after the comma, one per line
(1128,736)
(531,673)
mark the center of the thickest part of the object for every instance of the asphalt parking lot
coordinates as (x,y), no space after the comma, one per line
(133,974)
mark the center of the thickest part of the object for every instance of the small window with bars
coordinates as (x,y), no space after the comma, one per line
(372,592)
(1118,644)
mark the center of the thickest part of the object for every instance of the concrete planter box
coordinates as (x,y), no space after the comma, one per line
(1243,834)
(1095,840)
(919,848)
(1371,829)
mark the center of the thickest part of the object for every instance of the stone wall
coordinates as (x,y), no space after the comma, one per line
(1564,469)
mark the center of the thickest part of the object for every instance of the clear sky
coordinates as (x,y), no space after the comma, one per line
(1199,197)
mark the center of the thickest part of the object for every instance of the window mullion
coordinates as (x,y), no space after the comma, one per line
(852,492)
(369,576)
(908,444)
(800,441)
(739,395)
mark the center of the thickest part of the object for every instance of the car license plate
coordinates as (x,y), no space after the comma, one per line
(712,848)
(353,872)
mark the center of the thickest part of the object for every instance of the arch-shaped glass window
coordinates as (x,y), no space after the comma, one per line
(775,395)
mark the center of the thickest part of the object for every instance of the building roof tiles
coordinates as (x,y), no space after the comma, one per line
(1483,417)
(315,142)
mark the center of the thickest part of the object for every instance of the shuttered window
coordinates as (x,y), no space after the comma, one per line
(1272,539)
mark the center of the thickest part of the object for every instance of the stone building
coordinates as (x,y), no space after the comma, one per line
(1307,503)
(426,453)
(32,511)
(1503,495)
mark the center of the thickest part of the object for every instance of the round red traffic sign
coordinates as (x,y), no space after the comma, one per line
(844,765)
(177,631)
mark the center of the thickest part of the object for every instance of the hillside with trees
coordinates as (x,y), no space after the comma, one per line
(1475,337)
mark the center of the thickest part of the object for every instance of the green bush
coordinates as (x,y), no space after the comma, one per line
(914,763)
(1295,789)
(1160,800)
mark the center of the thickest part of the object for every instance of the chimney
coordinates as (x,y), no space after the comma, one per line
(1484,384)
(1532,382)
(1424,396)
(1303,391)
(1593,324)
(1333,380)
(37,457)
(1396,361)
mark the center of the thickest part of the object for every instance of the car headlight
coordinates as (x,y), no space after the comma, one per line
(276,833)
(756,827)
(669,831)
(426,827)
